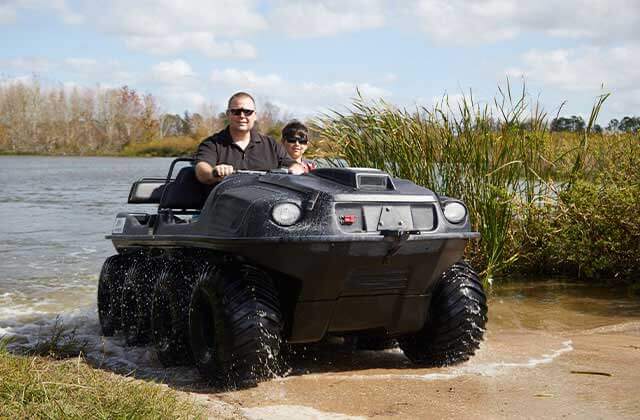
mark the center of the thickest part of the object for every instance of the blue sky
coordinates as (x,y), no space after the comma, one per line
(308,56)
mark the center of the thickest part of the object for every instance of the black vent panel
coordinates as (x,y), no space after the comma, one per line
(380,281)
(358,178)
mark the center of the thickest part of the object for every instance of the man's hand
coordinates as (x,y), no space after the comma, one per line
(208,174)
(222,170)
(296,169)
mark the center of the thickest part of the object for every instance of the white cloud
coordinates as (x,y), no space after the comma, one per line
(245,80)
(449,101)
(9,10)
(215,28)
(81,65)
(177,86)
(27,64)
(331,91)
(623,103)
(64,10)
(172,71)
(390,78)
(108,73)
(591,71)
(183,100)
(315,18)
(583,69)
(202,42)
(465,22)
(159,17)
(298,98)
(7,14)
(212,27)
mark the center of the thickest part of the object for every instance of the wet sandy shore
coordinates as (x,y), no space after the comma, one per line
(543,357)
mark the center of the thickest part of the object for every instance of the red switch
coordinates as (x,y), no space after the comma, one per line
(348,219)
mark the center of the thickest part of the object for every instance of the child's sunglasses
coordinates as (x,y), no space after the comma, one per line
(296,139)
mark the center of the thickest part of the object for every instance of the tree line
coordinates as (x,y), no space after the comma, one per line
(88,121)
(576,124)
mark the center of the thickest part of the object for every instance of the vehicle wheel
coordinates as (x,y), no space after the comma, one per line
(109,294)
(136,299)
(235,326)
(170,314)
(456,321)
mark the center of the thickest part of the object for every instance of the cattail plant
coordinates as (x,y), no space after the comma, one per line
(495,158)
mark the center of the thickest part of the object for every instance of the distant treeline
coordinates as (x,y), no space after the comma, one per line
(98,121)
(85,121)
(576,124)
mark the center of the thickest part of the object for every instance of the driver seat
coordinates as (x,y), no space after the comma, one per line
(185,193)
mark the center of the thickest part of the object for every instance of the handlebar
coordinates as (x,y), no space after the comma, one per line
(256,172)
(250,172)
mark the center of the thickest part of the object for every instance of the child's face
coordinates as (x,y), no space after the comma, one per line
(296,149)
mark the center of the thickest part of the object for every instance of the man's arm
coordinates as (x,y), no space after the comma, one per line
(204,173)
(206,159)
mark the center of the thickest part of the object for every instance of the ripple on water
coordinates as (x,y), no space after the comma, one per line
(631,327)
(488,362)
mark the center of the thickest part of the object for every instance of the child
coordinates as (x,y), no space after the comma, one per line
(295,138)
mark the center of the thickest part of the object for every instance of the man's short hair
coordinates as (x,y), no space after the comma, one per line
(240,95)
(295,129)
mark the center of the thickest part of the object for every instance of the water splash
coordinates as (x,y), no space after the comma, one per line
(484,369)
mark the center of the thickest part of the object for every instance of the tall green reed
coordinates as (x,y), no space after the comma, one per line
(492,157)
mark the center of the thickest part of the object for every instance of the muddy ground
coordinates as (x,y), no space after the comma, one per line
(544,356)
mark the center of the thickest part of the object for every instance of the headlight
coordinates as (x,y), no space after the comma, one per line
(455,212)
(286,214)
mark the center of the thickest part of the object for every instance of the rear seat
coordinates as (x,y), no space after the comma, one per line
(185,192)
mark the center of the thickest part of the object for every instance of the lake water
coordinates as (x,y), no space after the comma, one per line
(55,212)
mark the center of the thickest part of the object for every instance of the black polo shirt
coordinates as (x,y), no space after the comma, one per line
(262,152)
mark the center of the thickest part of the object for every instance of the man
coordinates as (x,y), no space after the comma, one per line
(239,146)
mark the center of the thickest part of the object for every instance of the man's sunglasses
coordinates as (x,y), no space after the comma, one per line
(296,139)
(238,111)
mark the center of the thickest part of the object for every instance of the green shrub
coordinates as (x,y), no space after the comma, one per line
(592,232)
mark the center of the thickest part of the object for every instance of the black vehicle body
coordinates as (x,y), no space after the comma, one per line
(364,257)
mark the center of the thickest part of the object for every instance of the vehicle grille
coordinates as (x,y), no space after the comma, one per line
(373,217)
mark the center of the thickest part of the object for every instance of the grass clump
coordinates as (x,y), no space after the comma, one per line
(58,343)
(39,387)
(52,380)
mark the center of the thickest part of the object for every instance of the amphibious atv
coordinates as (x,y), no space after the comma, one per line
(227,276)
